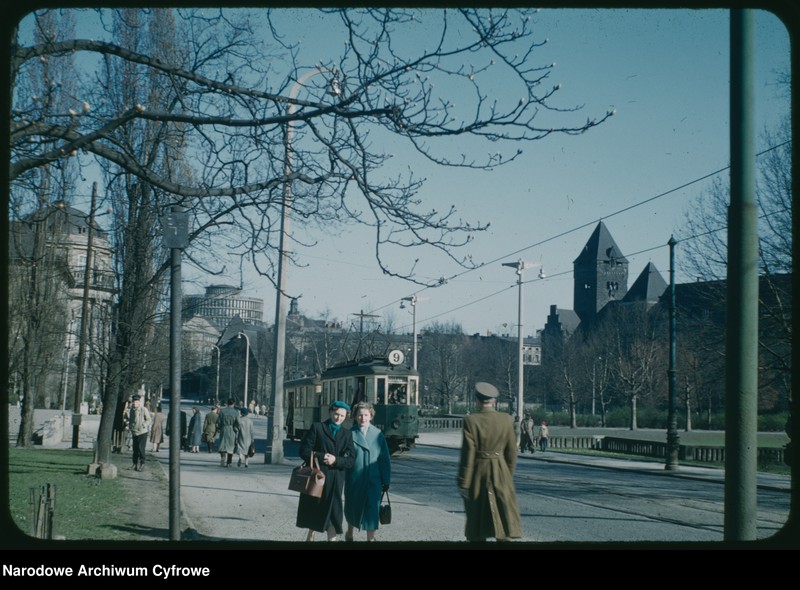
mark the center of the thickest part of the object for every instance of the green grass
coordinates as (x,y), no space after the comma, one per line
(85,506)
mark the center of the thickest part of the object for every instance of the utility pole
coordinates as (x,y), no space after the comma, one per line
(176,233)
(742,298)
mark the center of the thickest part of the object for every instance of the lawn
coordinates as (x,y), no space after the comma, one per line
(85,507)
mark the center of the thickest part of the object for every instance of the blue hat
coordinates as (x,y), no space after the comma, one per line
(339,404)
(244,411)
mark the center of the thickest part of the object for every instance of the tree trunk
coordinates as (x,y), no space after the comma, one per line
(688,414)
(634,425)
(573,412)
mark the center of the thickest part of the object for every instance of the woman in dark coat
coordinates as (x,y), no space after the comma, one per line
(332,445)
(195,431)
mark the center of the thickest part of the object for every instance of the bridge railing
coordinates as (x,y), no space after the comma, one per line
(624,446)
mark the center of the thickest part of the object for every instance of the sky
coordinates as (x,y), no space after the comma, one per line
(666,75)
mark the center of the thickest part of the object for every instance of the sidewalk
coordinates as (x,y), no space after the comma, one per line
(255,504)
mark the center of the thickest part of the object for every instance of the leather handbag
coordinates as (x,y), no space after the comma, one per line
(251,450)
(385,515)
(308,479)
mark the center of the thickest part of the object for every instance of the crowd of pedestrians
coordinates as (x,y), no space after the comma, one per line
(356,461)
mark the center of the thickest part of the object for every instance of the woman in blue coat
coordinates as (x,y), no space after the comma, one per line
(332,445)
(370,476)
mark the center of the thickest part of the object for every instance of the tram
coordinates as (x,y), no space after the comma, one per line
(392,388)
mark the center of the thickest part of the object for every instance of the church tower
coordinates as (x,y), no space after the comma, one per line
(600,274)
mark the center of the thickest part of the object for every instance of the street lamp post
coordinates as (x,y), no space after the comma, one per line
(219,358)
(246,365)
(673,444)
(413,301)
(274,450)
(520,265)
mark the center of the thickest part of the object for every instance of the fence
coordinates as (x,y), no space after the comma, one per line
(624,446)
(43,511)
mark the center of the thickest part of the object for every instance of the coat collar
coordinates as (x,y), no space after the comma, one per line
(361,439)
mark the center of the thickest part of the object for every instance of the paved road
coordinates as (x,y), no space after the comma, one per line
(563,497)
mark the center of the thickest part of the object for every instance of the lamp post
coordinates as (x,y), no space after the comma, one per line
(672,422)
(274,450)
(413,299)
(246,365)
(67,348)
(520,266)
(219,359)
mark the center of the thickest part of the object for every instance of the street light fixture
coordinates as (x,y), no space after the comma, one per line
(246,365)
(520,266)
(274,451)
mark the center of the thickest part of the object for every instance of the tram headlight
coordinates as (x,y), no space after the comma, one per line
(396,424)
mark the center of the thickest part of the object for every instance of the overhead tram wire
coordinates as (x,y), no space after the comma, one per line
(572,230)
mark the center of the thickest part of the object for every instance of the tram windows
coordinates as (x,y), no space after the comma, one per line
(397,394)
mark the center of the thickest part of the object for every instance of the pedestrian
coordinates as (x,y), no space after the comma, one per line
(183,428)
(332,445)
(526,438)
(245,437)
(370,476)
(228,428)
(139,420)
(119,431)
(210,427)
(544,433)
(486,470)
(157,430)
(195,431)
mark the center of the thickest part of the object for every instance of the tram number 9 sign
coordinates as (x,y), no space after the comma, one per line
(396,357)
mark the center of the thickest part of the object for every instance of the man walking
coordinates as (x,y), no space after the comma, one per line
(228,424)
(486,470)
(139,425)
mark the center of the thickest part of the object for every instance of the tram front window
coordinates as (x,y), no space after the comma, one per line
(397,394)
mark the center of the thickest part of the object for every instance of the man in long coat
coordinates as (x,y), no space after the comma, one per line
(228,424)
(210,427)
(486,471)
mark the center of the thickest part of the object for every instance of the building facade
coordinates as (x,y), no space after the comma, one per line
(221,303)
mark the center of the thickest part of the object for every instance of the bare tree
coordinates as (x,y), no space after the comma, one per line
(443,364)
(638,352)
(193,108)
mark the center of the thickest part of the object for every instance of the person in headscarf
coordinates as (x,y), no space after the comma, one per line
(332,445)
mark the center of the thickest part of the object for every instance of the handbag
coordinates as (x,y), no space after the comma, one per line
(251,450)
(308,479)
(385,515)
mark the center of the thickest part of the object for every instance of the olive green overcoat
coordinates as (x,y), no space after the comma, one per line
(486,476)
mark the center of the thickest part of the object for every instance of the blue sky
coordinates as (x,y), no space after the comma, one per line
(666,73)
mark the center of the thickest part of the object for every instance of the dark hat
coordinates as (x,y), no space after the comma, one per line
(244,411)
(135,397)
(486,391)
(340,404)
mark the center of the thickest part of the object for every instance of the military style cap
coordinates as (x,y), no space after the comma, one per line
(136,397)
(486,391)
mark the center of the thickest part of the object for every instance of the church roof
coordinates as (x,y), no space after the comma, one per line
(601,246)
(649,286)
